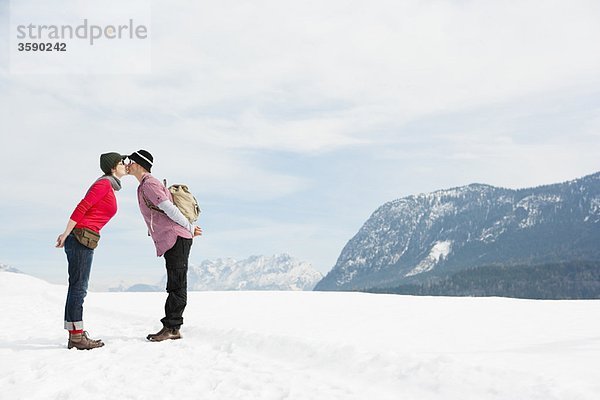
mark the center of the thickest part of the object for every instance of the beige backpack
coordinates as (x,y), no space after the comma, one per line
(185,201)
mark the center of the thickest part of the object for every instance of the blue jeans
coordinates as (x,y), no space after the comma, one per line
(80,265)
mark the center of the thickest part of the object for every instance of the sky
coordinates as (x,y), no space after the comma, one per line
(293,121)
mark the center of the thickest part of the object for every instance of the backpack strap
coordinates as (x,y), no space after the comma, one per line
(148,203)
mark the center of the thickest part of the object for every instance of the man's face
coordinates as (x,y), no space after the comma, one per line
(132,167)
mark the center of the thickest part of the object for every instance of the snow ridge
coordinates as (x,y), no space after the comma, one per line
(437,253)
(8,268)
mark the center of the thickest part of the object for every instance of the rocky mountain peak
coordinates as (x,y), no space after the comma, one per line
(415,237)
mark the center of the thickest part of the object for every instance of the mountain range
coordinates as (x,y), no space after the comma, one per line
(277,272)
(417,240)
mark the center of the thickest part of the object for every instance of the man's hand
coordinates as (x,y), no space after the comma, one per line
(197,231)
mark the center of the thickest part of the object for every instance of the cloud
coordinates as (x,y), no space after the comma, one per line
(323,76)
(420,56)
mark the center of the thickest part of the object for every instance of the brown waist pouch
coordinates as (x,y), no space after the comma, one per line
(87,237)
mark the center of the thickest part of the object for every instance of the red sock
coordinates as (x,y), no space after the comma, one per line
(76,332)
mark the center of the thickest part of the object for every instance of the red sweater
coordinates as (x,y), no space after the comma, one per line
(97,207)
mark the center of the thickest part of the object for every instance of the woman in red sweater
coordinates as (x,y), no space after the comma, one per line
(81,237)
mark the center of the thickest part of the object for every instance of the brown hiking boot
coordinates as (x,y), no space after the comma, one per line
(164,334)
(81,341)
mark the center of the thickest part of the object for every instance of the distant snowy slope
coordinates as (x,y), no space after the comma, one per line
(299,345)
(278,272)
(8,268)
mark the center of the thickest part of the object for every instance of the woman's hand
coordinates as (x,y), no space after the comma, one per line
(197,231)
(60,241)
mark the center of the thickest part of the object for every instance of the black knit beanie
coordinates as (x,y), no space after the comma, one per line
(109,161)
(143,158)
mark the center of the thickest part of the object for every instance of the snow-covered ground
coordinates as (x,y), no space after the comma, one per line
(299,345)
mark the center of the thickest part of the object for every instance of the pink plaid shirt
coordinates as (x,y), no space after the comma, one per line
(164,230)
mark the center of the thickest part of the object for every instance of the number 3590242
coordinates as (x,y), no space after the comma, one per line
(42,46)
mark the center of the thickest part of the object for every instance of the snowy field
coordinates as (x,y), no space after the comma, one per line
(299,345)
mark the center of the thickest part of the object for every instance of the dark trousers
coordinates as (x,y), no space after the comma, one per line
(80,265)
(176,260)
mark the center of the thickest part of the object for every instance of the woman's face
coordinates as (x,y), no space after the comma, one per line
(120,170)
